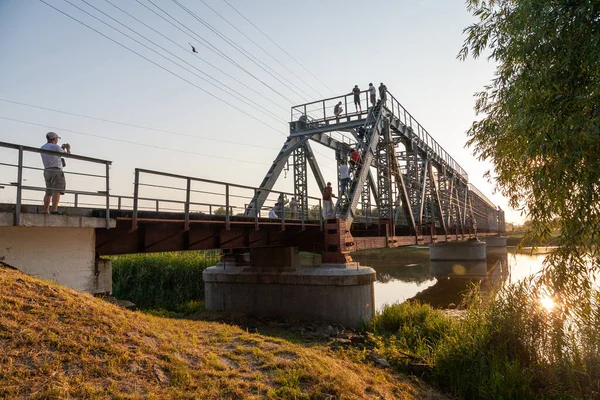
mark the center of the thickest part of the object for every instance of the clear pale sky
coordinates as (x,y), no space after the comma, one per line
(49,60)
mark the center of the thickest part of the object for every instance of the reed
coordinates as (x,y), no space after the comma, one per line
(162,280)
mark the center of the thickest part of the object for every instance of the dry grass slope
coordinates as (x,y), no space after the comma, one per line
(58,343)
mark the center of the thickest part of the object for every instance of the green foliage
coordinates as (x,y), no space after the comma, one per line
(510,348)
(170,281)
(541,125)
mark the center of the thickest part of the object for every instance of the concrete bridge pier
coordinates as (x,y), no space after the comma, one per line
(59,248)
(471,250)
(495,241)
(274,284)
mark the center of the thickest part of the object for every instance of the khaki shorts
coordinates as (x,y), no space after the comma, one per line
(55,181)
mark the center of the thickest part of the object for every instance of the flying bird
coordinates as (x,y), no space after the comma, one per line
(193,48)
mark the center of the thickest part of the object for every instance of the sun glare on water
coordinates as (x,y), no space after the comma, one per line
(547,303)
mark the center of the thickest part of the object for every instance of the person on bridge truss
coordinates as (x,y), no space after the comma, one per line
(372,94)
(356,92)
(337,111)
(382,93)
(344,172)
(53,173)
(293,208)
(327,201)
(273,211)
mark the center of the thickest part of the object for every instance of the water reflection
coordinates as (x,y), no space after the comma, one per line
(406,273)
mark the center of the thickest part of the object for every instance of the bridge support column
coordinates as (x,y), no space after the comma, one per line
(495,241)
(275,285)
(471,250)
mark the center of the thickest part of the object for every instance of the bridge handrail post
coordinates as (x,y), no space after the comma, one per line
(282,211)
(227,206)
(107,216)
(76,201)
(324,112)
(17,220)
(255,210)
(321,214)
(187,204)
(136,186)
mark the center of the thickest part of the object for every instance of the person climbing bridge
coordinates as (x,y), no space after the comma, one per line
(355,158)
(344,172)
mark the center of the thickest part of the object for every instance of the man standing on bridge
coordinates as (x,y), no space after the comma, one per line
(382,93)
(356,92)
(372,94)
(53,173)
(327,201)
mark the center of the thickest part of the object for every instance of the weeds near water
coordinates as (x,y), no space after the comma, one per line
(169,281)
(515,347)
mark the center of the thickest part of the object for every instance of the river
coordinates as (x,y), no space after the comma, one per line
(406,273)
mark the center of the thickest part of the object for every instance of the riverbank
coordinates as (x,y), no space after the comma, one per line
(58,343)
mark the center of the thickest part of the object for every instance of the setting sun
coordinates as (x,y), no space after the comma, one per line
(547,303)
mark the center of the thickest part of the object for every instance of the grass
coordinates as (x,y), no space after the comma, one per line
(508,348)
(168,281)
(58,343)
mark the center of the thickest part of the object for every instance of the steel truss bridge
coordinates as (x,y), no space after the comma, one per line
(406,190)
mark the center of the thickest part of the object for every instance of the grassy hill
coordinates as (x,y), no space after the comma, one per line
(59,343)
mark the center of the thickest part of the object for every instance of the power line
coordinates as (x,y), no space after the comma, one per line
(129,142)
(275,43)
(215,49)
(263,49)
(136,126)
(260,108)
(242,51)
(160,66)
(201,59)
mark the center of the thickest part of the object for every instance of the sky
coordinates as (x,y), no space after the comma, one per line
(323,48)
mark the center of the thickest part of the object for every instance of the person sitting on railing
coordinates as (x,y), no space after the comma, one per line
(302,122)
(337,111)
(356,92)
(327,201)
(372,94)
(53,173)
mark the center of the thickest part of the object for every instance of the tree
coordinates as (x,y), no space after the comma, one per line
(541,126)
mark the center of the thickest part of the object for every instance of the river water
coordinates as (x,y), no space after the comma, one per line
(407,274)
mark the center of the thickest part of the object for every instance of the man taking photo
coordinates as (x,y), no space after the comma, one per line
(53,173)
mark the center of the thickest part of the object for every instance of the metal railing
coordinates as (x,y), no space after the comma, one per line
(232,201)
(429,143)
(21,150)
(321,112)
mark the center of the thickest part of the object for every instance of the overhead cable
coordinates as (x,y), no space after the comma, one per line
(243,52)
(250,102)
(136,126)
(129,141)
(281,48)
(216,50)
(161,67)
(263,49)
(200,58)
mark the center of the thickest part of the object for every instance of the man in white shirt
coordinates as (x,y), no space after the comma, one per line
(53,173)
(372,94)
(344,172)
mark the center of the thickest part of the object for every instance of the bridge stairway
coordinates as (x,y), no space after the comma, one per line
(346,204)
